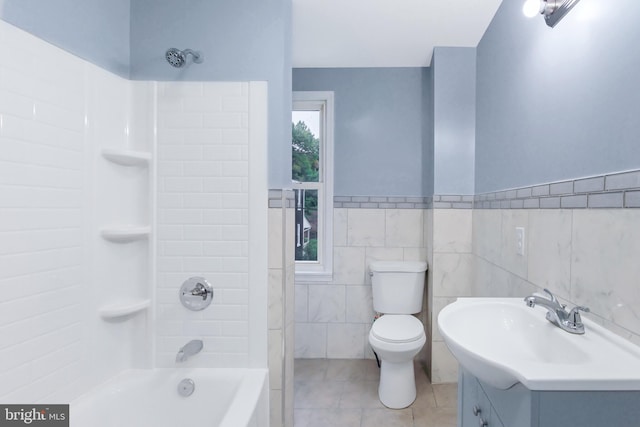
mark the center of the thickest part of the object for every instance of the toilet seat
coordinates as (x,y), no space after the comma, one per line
(397,328)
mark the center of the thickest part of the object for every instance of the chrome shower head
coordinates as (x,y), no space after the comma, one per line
(178,58)
(175,57)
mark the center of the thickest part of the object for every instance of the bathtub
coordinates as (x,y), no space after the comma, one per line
(150,398)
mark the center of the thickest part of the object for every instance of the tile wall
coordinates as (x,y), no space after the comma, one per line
(451,276)
(332,320)
(582,240)
(204,228)
(281,303)
(586,255)
(57,112)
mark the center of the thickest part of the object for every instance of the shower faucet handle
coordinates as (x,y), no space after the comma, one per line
(200,291)
(196,293)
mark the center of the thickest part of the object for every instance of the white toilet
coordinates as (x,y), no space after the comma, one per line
(397,336)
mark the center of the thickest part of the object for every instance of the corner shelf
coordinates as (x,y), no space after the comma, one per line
(115,311)
(125,234)
(127,157)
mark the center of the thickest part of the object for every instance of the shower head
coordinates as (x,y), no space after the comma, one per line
(177,58)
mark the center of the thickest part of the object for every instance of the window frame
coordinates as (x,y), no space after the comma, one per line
(321,270)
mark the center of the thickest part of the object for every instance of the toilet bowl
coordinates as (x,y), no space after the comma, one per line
(397,339)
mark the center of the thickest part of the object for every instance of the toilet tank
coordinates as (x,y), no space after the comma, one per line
(398,286)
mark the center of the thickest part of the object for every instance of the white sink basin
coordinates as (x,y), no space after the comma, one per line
(503,342)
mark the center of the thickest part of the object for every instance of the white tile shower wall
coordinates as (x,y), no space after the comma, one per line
(52,108)
(118,196)
(333,319)
(586,256)
(203,219)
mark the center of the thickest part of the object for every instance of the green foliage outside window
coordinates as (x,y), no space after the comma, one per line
(310,252)
(306,154)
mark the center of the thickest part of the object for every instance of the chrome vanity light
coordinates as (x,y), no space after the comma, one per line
(196,293)
(553,10)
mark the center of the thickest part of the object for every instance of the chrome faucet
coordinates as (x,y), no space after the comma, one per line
(188,350)
(557,314)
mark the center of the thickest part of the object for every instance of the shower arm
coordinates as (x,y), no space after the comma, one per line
(197,57)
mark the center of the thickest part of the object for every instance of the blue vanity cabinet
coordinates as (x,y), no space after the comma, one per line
(588,408)
(521,407)
(474,407)
(467,399)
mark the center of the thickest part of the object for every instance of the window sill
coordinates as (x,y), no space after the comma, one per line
(313,276)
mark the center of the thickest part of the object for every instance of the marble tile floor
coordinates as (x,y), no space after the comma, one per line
(344,393)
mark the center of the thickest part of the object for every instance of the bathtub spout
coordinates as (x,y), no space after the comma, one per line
(188,350)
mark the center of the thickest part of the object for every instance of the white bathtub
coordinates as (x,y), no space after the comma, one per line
(149,398)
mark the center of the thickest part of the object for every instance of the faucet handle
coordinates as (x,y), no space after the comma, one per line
(574,320)
(552,297)
(574,314)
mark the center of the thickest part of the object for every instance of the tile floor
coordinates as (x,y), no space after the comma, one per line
(344,393)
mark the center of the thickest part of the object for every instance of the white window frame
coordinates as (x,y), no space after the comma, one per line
(322,270)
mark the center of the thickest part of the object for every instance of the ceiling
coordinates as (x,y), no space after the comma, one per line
(384,33)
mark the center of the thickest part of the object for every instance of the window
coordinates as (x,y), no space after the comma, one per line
(312,175)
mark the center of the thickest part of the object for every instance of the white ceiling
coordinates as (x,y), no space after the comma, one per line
(384,33)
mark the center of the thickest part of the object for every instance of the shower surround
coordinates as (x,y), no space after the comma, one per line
(205,212)
(202,216)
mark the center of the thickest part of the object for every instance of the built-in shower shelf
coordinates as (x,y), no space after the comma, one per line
(127,157)
(115,311)
(125,234)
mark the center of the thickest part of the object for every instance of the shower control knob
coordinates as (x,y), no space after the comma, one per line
(200,291)
(196,293)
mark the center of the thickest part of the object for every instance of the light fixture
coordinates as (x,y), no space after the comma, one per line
(531,8)
(553,10)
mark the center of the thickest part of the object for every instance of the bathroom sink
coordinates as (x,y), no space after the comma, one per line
(503,342)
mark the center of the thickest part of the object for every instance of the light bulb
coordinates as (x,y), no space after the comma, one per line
(531,8)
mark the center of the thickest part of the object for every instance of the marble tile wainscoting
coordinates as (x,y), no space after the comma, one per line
(582,241)
(582,238)
(281,306)
(332,320)
(450,276)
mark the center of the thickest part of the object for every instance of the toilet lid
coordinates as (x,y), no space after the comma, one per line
(397,328)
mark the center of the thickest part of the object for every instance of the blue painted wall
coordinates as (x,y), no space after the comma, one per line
(454,104)
(378,131)
(95,30)
(559,103)
(428,143)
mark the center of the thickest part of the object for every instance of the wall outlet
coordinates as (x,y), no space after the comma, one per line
(520,241)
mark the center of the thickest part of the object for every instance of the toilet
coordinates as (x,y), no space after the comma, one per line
(397,336)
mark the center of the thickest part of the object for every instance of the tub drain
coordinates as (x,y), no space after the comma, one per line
(186,387)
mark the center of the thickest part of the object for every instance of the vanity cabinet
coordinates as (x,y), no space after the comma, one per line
(474,407)
(478,402)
